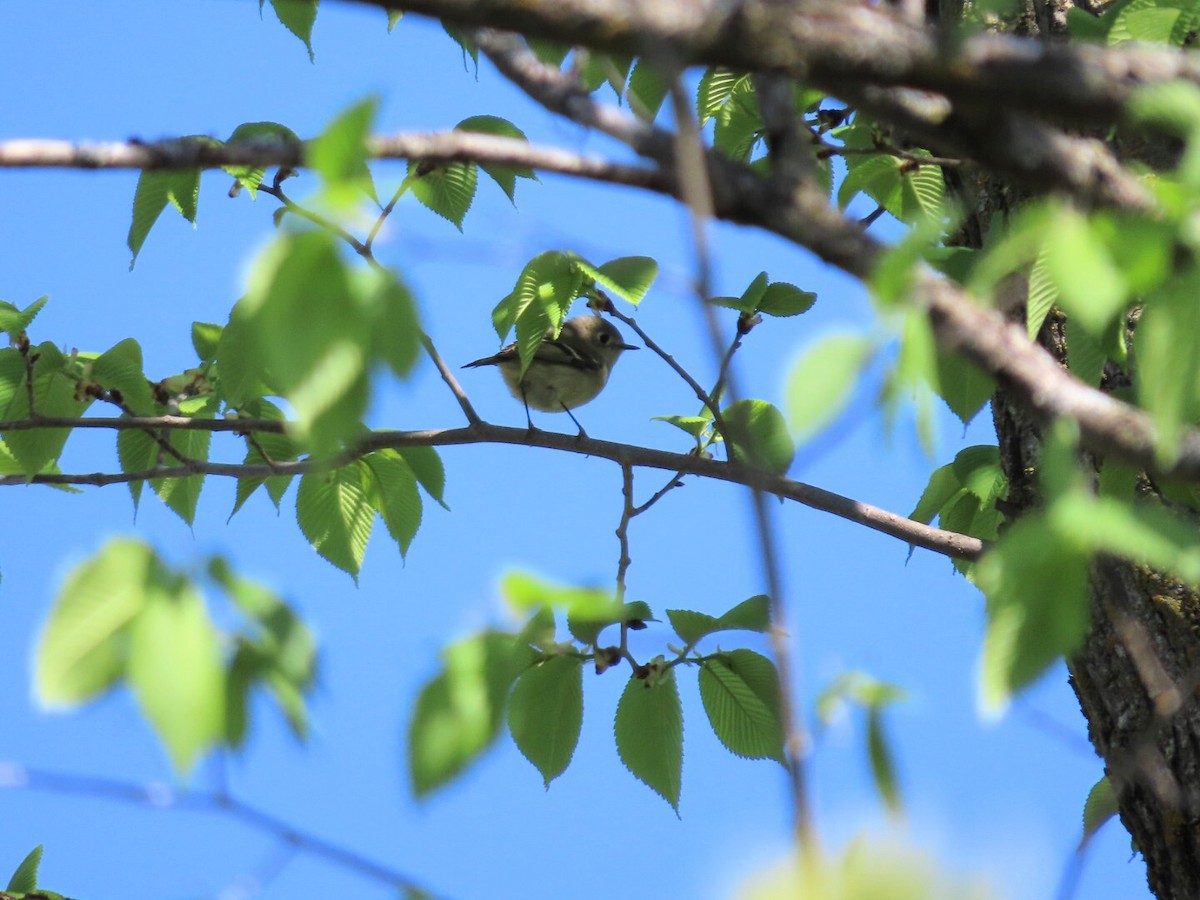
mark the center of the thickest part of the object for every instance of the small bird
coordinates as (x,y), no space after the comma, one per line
(566,372)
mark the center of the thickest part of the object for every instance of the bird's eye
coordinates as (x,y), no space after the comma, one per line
(605,338)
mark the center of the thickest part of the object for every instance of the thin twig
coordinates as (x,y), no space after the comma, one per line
(159,796)
(697,194)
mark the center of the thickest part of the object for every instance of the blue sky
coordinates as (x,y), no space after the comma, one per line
(998,799)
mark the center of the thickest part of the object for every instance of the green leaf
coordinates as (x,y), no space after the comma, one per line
(155,189)
(649,733)
(876,176)
(749,615)
(739,124)
(205,338)
(447,189)
(389,307)
(120,368)
(1037,590)
(1090,286)
(585,625)
(175,669)
(1153,22)
(545,713)
(942,486)
(1167,344)
(964,386)
(321,367)
(1043,294)
(426,465)
(717,86)
(1085,356)
(394,16)
(54,394)
(24,878)
(258,134)
(394,493)
(505,176)
(13,321)
(883,766)
(629,277)
(821,384)
(740,692)
(278,448)
(298,16)
(758,435)
(1100,806)
(696,426)
(647,89)
(182,495)
(782,299)
(458,713)
(339,153)
(336,516)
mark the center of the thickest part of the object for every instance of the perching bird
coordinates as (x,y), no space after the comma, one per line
(566,372)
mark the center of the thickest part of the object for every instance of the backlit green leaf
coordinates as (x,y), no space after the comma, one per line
(649,733)
(545,713)
(740,692)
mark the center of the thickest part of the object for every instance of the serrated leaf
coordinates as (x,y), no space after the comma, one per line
(758,435)
(14,321)
(781,299)
(155,189)
(716,87)
(335,515)
(1043,294)
(963,386)
(426,465)
(1100,806)
(1151,21)
(647,89)
(458,713)
(54,394)
(24,877)
(394,493)
(876,176)
(630,277)
(447,189)
(278,448)
(545,713)
(298,16)
(649,734)
(175,669)
(120,368)
(740,692)
(822,382)
(505,176)
(943,484)
(749,615)
(182,495)
(691,625)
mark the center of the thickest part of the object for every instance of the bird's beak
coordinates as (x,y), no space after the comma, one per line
(629,347)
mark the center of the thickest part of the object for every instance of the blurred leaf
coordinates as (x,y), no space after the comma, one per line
(339,153)
(175,669)
(647,89)
(458,713)
(821,384)
(883,766)
(649,732)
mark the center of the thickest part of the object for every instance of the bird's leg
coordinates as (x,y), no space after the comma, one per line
(528,418)
(582,434)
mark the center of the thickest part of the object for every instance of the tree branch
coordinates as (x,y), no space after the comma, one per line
(948,543)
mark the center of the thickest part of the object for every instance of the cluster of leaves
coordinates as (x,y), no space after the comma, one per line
(125,616)
(533,681)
